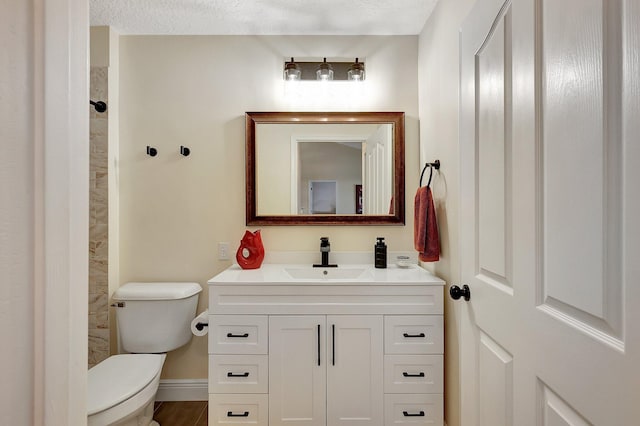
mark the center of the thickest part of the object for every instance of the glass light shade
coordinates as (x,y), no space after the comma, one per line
(355,75)
(325,71)
(292,74)
(292,71)
(356,71)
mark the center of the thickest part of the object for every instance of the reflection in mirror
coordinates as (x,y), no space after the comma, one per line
(329,168)
(325,168)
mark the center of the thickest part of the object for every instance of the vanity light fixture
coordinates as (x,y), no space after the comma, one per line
(325,71)
(334,69)
(292,71)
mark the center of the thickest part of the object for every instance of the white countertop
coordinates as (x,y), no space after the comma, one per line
(365,274)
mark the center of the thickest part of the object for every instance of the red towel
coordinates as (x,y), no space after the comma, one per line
(425,226)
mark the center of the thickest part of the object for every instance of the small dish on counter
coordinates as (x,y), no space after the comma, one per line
(404,262)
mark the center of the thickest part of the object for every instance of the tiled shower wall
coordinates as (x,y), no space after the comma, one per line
(98,222)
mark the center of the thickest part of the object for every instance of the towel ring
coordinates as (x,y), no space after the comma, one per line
(434,165)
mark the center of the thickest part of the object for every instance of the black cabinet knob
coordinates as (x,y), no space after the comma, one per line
(457,292)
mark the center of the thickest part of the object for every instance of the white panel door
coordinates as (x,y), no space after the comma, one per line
(355,370)
(378,173)
(297,370)
(489,330)
(550,203)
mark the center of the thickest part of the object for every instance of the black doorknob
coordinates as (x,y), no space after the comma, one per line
(457,292)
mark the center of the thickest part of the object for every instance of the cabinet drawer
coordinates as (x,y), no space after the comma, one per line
(238,373)
(238,334)
(413,374)
(238,409)
(421,409)
(416,334)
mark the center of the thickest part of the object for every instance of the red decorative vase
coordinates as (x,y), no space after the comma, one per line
(250,254)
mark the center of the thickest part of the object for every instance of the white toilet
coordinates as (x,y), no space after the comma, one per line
(153,318)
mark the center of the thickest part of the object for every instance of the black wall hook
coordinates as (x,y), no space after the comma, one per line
(99,105)
(185,151)
(152,152)
(434,165)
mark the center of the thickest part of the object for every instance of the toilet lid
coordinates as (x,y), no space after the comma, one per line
(119,377)
(156,291)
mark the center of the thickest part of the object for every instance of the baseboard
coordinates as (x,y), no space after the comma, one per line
(183,390)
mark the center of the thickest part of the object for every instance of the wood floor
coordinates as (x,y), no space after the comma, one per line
(181,413)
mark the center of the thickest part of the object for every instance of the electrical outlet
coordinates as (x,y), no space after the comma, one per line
(223,251)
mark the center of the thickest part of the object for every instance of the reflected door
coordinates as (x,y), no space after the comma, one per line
(378,175)
(322,197)
(549,202)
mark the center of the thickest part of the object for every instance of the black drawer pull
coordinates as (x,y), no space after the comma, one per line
(408,414)
(405,374)
(333,344)
(245,335)
(406,335)
(245,414)
(245,374)
(318,344)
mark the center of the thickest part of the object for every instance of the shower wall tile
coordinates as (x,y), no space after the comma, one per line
(101,212)
(98,303)
(98,89)
(98,309)
(102,251)
(98,130)
(95,290)
(98,346)
(97,161)
(99,321)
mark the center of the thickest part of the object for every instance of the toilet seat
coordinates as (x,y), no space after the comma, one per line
(121,385)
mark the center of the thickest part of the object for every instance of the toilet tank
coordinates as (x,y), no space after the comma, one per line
(155,317)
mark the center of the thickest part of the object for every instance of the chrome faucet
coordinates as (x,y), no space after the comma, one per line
(325,248)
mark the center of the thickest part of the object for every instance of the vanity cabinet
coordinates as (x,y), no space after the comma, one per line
(325,370)
(333,353)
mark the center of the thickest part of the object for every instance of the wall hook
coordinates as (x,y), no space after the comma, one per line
(185,151)
(151,151)
(98,105)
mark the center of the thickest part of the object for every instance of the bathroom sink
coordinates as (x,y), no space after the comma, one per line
(309,273)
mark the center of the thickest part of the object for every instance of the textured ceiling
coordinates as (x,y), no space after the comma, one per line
(263,17)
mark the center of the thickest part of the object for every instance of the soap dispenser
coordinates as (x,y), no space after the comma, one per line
(380,253)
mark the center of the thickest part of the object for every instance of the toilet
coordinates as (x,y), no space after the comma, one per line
(152,318)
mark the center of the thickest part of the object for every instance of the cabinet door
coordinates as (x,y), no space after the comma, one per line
(297,370)
(355,370)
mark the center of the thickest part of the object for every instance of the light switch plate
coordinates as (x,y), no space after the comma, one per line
(223,251)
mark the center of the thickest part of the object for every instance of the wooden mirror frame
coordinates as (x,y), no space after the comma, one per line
(395,118)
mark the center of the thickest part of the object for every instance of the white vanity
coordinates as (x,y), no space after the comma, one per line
(353,345)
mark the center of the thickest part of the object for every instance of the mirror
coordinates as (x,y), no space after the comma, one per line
(325,168)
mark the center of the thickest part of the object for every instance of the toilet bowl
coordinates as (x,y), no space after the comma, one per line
(152,318)
(122,390)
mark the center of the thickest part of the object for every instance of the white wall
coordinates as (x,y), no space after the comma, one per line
(438,80)
(194,91)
